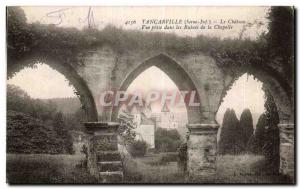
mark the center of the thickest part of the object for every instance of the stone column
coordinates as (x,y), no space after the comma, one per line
(286,149)
(202,151)
(104,160)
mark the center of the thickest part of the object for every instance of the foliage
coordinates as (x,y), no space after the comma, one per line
(49,132)
(126,127)
(271,148)
(62,132)
(167,140)
(24,39)
(281,39)
(84,150)
(121,40)
(26,134)
(18,34)
(272,52)
(19,100)
(230,138)
(74,115)
(182,157)
(138,148)
(74,121)
(246,123)
(265,140)
(257,143)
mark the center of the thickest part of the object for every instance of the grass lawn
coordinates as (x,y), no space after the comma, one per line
(245,169)
(44,169)
(150,170)
(230,169)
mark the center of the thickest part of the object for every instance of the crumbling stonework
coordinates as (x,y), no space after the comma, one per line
(202,151)
(104,69)
(104,160)
(287,149)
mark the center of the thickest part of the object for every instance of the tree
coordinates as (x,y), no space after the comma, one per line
(59,123)
(225,142)
(75,121)
(19,38)
(18,100)
(257,141)
(265,140)
(127,126)
(281,38)
(63,133)
(182,157)
(45,111)
(246,124)
(138,148)
(230,137)
(167,140)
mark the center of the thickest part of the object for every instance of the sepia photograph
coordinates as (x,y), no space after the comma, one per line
(150,95)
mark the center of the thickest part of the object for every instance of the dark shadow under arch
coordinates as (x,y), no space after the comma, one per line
(72,76)
(175,72)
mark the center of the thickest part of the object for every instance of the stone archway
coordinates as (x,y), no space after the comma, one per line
(72,76)
(202,142)
(284,104)
(176,72)
(282,100)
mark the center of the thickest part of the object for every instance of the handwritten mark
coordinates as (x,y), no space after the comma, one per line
(89,19)
(59,15)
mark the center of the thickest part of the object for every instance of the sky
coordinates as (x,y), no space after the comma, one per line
(43,82)
(246,92)
(145,82)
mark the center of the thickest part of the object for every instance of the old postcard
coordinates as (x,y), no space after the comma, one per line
(162,94)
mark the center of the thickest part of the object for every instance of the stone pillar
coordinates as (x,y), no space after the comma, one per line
(202,151)
(287,149)
(104,160)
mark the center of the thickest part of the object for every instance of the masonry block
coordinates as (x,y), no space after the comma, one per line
(104,160)
(287,149)
(202,151)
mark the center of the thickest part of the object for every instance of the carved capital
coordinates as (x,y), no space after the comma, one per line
(203,128)
(100,128)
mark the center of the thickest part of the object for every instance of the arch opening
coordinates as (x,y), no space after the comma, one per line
(159,113)
(45,108)
(80,87)
(160,124)
(248,116)
(176,73)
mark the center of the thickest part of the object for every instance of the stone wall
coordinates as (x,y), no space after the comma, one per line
(104,69)
(202,151)
(104,159)
(287,161)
